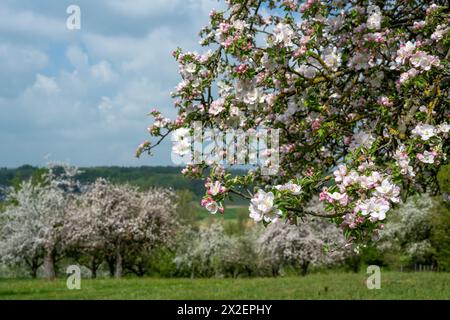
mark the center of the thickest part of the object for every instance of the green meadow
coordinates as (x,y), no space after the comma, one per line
(394,285)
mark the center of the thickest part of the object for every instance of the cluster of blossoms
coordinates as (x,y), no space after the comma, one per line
(418,61)
(362,196)
(362,85)
(290,187)
(160,122)
(211,205)
(431,138)
(403,161)
(213,201)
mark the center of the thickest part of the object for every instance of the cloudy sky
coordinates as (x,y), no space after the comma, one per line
(82,96)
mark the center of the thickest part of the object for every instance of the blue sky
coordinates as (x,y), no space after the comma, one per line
(82,96)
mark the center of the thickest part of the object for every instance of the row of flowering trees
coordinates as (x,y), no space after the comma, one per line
(53,218)
(358,89)
(105,226)
(211,251)
(57,218)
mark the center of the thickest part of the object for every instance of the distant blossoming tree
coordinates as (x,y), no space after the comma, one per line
(358,89)
(206,252)
(315,243)
(111,221)
(32,230)
(407,235)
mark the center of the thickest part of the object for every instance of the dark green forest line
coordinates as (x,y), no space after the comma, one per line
(143,177)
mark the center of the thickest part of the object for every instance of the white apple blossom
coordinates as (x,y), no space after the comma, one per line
(161,122)
(247,92)
(405,76)
(224,88)
(358,61)
(342,198)
(440,31)
(375,207)
(389,191)
(292,108)
(336,22)
(423,61)
(332,58)
(217,106)
(307,70)
(212,207)
(370,182)
(283,34)
(215,188)
(425,131)
(240,25)
(426,157)
(293,188)
(379,209)
(351,178)
(403,161)
(340,173)
(404,52)
(262,207)
(443,128)
(182,85)
(190,67)
(182,148)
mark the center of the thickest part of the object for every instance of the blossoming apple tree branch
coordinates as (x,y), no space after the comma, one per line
(358,89)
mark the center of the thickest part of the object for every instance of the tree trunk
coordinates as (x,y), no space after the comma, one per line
(305,266)
(94,267)
(49,266)
(33,272)
(275,271)
(34,265)
(119,263)
(111,266)
(141,271)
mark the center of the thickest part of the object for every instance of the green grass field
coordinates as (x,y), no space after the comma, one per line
(316,286)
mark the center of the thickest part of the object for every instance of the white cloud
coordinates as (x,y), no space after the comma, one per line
(105,104)
(21,58)
(77,58)
(131,104)
(46,85)
(143,7)
(84,95)
(138,8)
(18,66)
(103,71)
(137,55)
(31,24)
